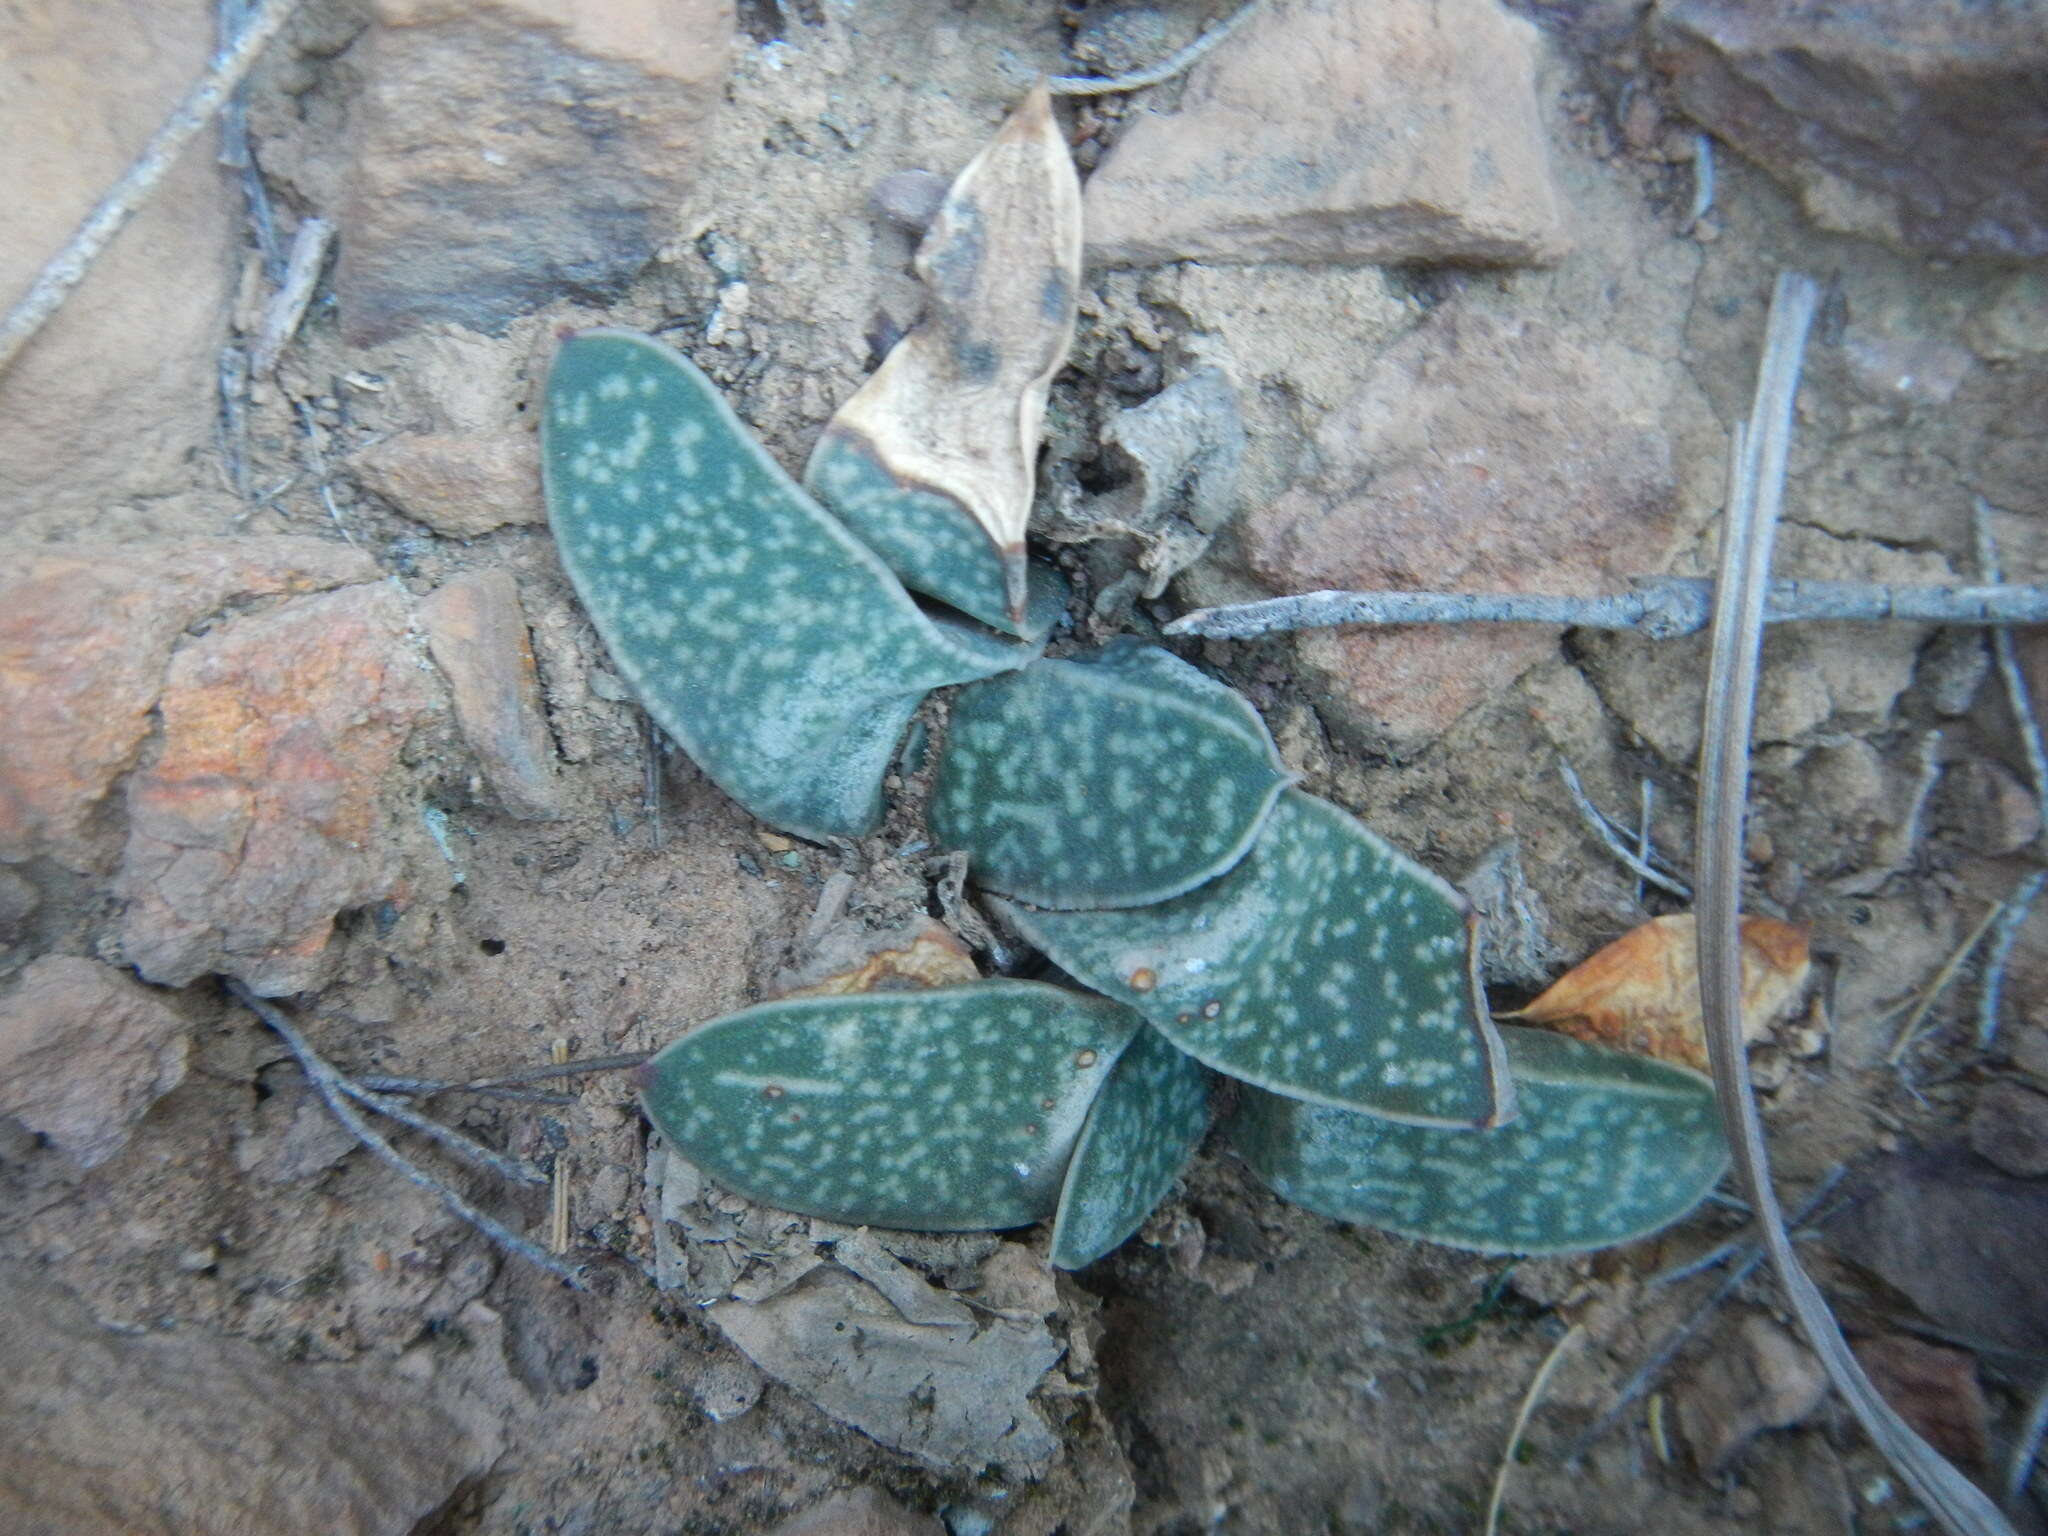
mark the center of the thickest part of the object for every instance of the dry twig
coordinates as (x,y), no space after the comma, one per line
(1939,983)
(1165,69)
(287,307)
(427,1087)
(1507,1457)
(1757,489)
(1752,1255)
(1604,829)
(69,266)
(336,1090)
(558,1205)
(2017,699)
(1659,607)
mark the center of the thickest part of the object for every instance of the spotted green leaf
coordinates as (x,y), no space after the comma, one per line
(925,536)
(1116,780)
(1326,966)
(1607,1147)
(774,647)
(1145,1125)
(950,1110)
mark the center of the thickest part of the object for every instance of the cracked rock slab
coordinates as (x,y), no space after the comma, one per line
(508,152)
(1478,454)
(1917,122)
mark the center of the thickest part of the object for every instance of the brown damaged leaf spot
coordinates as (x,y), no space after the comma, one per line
(932,958)
(957,407)
(1641,993)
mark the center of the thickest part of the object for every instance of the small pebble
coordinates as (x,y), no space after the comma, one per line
(909,199)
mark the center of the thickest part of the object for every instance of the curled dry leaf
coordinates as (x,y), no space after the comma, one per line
(1642,992)
(932,461)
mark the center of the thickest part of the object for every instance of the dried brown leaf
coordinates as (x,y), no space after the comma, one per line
(958,406)
(1642,993)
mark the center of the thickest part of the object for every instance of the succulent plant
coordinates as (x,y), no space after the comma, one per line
(1127,814)
(1142,832)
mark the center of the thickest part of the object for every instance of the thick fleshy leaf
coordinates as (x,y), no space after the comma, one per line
(1111,781)
(952,1110)
(1326,966)
(1146,1123)
(779,652)
(933,460)
(1607,1147)
(925,536)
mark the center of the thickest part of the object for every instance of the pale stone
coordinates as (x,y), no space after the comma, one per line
(113,395)
(1342,130)
(84,1052)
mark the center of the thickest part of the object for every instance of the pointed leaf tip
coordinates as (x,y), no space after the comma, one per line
(933,460)
(1145,1125)
(1608,1147)
(1326,966)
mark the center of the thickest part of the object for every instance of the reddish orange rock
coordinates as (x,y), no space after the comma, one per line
(262,816)
(85,632)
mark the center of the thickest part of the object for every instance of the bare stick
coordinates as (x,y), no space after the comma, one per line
(287,307)
(424,1087)
(558,1205)
(651,782)
(69,266)
(328,1084)
(1702,180)
(445,1136)
(1529,1399)
(2009,668)
(2004,934)
(1646,807)
(1910,1030)
(1165,69)
(1604,830)
(1757,489)
(2026,1449)
(234,417)
(322,481)
(2020,702)
(1660,607)
(235,153)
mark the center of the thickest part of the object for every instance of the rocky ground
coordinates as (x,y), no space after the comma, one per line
(294,692)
